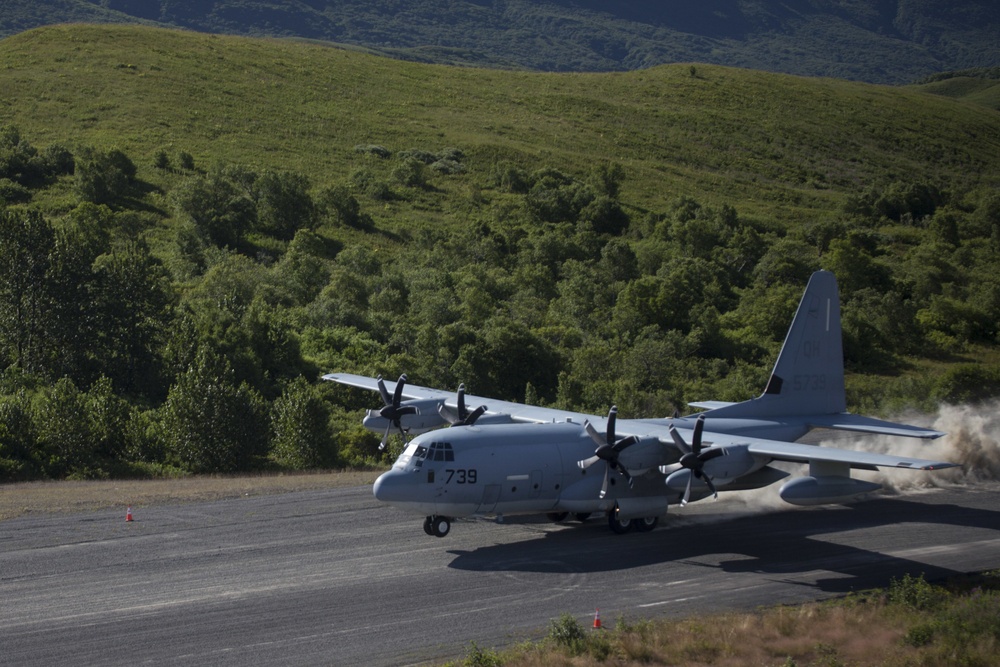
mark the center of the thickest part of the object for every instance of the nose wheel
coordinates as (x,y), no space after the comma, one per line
(437,526)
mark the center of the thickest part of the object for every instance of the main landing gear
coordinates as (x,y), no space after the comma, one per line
(438,526)
(622,526)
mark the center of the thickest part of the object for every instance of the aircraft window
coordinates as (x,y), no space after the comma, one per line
(421,452)
(439,455)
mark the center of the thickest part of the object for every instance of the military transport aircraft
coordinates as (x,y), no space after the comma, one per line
(507,458)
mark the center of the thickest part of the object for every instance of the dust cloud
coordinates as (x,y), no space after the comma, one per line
(972,440)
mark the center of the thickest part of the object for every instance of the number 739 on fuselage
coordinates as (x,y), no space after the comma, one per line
(505,458)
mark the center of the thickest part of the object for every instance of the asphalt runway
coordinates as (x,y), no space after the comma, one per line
(332,577)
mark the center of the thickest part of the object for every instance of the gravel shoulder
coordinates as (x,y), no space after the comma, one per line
(23,498)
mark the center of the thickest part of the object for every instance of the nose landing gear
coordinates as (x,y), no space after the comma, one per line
(437,526)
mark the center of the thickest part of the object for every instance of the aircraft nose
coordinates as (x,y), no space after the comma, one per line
(388,486)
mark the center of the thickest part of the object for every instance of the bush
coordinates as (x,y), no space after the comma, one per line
(13,193)
(374,149)
(567,632)
(410,173)
(914,593)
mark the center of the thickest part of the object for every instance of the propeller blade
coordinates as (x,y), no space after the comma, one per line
(678,440)
(398,394)
(594,435)
(385,438)
(624,443)
(612,419)
(711,487)
(604,486)
(699,426)
(586,463)
(461,402)
(713,453)
(382,390)
(625,473)
(471,418)
(687,490)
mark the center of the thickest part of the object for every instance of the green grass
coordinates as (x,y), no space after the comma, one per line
(777,147)
(971,89)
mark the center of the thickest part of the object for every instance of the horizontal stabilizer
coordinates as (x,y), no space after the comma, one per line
(800,453)
(709,405)
(861,424)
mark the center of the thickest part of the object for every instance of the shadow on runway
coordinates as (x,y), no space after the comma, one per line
(780,544)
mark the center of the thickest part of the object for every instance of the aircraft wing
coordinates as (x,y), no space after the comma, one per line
(518,412)
(772,449)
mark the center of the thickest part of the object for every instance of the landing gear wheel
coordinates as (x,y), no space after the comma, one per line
(620,526)
(557,516)
(646,524)
(440,525)
(427,526)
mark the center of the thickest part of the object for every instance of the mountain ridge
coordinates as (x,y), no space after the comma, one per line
(878,41)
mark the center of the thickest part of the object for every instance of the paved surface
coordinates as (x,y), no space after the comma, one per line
(331,577)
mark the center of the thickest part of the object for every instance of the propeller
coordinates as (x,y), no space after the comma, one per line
(392,410)
(463,417)
(608,450)
(694,458)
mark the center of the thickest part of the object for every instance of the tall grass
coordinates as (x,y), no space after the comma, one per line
(910,623)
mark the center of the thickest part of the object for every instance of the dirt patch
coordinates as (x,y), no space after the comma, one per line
(62,497)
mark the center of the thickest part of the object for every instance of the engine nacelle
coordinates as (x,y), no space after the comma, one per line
(824,490)
(640,508)
(425,419)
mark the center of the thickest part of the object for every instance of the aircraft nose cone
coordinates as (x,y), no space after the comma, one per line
(388,486)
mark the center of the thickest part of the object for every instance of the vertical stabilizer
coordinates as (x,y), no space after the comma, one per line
(808,378)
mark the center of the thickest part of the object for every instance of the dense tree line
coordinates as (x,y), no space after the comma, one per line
(128,353)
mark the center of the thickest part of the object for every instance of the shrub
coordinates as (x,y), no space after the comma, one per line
(567,632)
(914,593)
(374,149)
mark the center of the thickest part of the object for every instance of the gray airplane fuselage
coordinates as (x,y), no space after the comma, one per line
(529,469)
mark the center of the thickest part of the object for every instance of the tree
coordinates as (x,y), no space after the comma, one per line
(303,271)
(212,424)
(17,439)
(27,242)
(341,206)
(161,160)
(65,436)
(300,428)
(607,178)
(284,205)
(221,212)
(104,177)
(506,358)
(131,301)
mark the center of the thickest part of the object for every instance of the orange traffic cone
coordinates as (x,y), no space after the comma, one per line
(128,513)
(597,619)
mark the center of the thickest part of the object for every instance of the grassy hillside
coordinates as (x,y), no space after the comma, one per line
(980,86)
(883,42)
(782,147)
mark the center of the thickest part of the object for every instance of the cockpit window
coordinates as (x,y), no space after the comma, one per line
(441,451)
(417,454)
